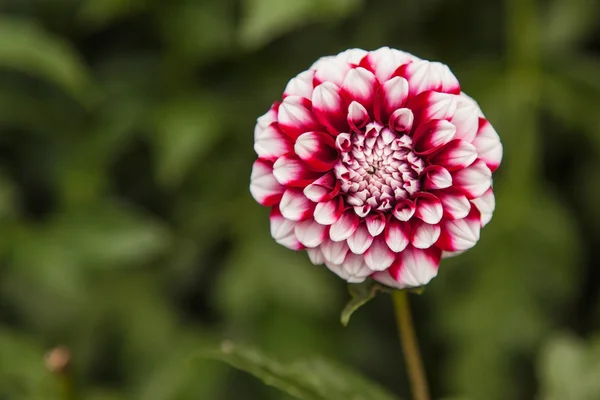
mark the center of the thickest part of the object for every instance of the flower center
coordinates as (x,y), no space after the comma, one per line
(377,168)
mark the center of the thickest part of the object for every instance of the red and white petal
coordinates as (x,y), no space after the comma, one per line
(334,252)
(455,204)
(360,240)
(295,206)
(301,85)
(426,75)
(357,116)
(487,143)
(456,155)
(310,233)
(282,230)
(384,61)
(295,117)
(317,150)
(474,180)
(359,85)
(415,267)
(323,189)
(428,208)
(436,177)
(375,223)
(404,210)
(397,235)
(433,105)
(329,107)
(390,97)
(344,227)
(316,256)
(289,170)
(330,69)
(460,234)
(486,204)
(466,119)
(402,120)
(265,120)
(328,212)
(263,186)
(379,256)
(352,56)
(271,143)
(424,235)
(450,254)
(432,135)
(352,270)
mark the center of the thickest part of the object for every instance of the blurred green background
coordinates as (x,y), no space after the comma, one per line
(127,232)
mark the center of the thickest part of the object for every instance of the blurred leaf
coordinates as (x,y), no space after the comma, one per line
(567,23)
(569,369)
(360,293)
(97,13)
(24,46)
(308,379)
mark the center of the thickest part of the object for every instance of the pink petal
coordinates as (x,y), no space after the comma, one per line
(289,170)
(352,270)
(328,212)
(487,143)
(460,234)
(486,204)
(455,204)
(295,117)
(271,143)
(424,235)
(359,85)
(433,105)
(404,210)
(466,119)
(379,256)
(456,155)
(334,252)
(323,189)
(432,135)
(317,150)
(397,235)
(329,107)
(375,223)
(344,227)
(316,256)
(295,206)
(263,186)
(390,97)
(402,120)
(428,208)
(282,230)
(437,177)
(360,240)
(265,120)
(358,116)
(352,56)
(426,75)
(330,69)
(474,180)
(310,233)
(384,61)
(301,85)
(415,267)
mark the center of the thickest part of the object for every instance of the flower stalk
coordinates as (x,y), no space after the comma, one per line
(410,346)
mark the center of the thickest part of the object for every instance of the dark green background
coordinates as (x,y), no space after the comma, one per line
(128,234)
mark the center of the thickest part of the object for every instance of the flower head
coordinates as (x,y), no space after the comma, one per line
(377,164)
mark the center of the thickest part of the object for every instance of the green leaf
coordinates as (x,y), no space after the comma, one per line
(24,46)
(307,379)
(361,294)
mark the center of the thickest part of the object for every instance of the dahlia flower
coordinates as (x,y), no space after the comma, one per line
(377,164)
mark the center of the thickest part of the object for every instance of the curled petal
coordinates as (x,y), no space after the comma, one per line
(329,107)
(263,186)
(344,227)
(415,267)
(397,235)
(487,143)
(359,85)
(323,189)
(474,180)
(437,177)
(343,142)
(328,212)
(282,230)
(360,240)
(404,210)
(362,211)
(301,85)
(353,269)
(455,204)
(456,155)
(334,252)
(357,117)
(426,75)
(428,208)
(432,135)
(402,120)
(310,233)
(295,206)
(316,256)
(289,170)
(295,117)
(271,143)
(390,96)
(375,223)
(379,257)
(486,204)
(384,61)
(317,150)
(460,234)
(424,235)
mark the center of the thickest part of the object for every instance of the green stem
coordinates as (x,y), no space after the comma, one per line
(410,346)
